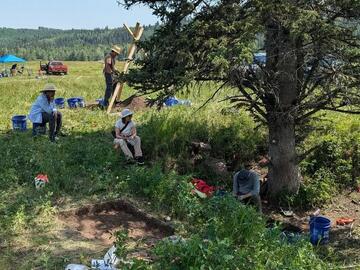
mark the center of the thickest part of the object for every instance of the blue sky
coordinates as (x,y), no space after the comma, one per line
(68,14)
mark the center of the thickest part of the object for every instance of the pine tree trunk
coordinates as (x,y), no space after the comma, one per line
(282,92)
(283,169)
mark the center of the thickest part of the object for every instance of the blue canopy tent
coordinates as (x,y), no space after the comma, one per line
(9,58)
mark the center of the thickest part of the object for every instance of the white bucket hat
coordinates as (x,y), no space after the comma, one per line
(126,112)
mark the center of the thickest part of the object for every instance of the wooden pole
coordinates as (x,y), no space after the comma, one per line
(119,87)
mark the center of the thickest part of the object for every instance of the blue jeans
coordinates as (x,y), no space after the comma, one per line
(109,88)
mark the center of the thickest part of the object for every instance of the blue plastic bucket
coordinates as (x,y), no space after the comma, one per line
(19,122)
(81,102)
(171,101)
(59,103)
(72,102)
(319,230)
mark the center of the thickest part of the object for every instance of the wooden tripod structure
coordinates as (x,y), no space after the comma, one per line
(136,35)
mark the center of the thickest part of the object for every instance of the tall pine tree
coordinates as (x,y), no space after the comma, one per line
(312,63)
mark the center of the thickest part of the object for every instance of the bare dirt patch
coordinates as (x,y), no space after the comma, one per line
(99,222)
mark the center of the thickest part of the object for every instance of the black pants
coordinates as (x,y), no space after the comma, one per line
(254,201)
(54,123)
(110,87)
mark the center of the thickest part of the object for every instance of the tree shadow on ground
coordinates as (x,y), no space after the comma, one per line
(342,247)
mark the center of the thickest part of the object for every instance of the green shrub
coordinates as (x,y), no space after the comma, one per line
(333,166)
(268,253)
(167,134)
(316,190)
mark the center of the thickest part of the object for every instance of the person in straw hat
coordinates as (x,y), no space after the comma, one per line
(109,69)
(44,111)
(125,133)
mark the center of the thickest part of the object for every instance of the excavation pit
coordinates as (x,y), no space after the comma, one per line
(99,222)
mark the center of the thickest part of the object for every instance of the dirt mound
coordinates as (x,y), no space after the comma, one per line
(133,103)
(100,221)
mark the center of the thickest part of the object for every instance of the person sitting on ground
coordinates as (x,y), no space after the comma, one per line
(21,70)
(125,133)
(246,187)
(13,70)
(43,111)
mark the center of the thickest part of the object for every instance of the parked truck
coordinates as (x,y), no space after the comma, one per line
(54,67)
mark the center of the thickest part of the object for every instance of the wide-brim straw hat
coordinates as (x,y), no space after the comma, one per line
(49,88)
(116,49)
(126,112)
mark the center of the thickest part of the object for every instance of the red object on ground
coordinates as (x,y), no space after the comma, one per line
(42,177)
(344,221)
(201,186)
(358,189)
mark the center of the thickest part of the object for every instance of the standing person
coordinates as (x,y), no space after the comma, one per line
(43,111)
(246,187)
(125,133)
(109,68)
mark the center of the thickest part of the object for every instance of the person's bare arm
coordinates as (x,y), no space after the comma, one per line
(133,133)
(108,62)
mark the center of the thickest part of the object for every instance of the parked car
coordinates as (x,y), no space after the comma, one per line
(54,67)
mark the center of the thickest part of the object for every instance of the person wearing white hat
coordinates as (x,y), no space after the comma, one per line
(125,133)
(109,68)
(44,111)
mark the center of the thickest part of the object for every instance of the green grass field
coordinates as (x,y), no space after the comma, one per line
(83,168)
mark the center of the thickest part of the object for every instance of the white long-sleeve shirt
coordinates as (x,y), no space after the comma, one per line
(41,105)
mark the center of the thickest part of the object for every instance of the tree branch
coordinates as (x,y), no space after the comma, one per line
(212,96)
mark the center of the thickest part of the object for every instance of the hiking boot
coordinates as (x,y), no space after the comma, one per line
(140,160)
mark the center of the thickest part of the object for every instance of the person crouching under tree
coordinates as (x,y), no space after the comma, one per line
(125,133)
(44,111)
(246,187)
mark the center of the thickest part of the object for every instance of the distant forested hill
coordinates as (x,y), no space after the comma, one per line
(49,44)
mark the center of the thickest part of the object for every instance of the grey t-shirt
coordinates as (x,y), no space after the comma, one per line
(246,181)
